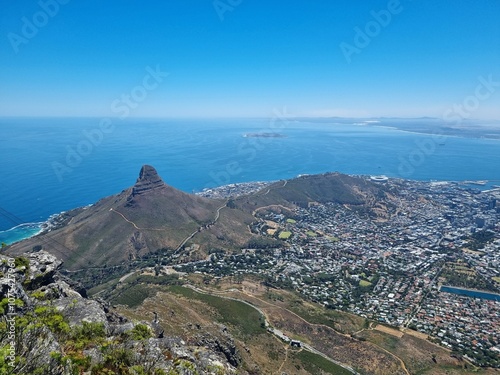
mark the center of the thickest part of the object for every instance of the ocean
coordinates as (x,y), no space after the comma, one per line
(50,165)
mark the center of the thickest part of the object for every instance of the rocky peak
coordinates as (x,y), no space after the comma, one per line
(148,180)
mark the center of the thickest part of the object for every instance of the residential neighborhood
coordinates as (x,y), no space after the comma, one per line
(389,270)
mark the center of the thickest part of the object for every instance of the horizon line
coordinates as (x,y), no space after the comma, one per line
(289,116)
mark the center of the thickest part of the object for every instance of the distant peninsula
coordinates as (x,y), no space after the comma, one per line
(264,135)
(443,127)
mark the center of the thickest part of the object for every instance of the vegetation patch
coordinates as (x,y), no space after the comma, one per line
(140,332)
(460,274)
(110,285)
(337,320)
(133,296)
(316,364)
(284,235)
(240,315)
(479,239)
(364,283)
(22,262)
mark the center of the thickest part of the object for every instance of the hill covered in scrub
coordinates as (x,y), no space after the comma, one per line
(152,217)
(146,217)
(357,192)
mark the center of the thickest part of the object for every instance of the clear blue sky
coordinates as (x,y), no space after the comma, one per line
(262,55)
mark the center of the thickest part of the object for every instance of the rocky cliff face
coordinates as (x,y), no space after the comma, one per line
(148,180)
(49,327)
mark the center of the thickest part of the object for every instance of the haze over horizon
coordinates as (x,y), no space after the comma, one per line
(228,58)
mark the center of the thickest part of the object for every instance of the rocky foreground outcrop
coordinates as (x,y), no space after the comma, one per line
(48,327)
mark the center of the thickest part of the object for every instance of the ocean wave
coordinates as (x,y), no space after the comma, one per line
(21,232)
(24,226)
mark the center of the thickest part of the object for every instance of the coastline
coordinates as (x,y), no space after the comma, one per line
(24,231)
(437,132)
(21,232)
(28,230)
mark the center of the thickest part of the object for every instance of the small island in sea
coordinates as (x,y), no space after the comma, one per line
(264,135)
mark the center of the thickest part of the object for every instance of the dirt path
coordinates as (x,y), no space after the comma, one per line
(284,361)
(123,278)
(268,190)
(343,334)
(131,222)
(327,327)
(310,348)
(217,216)
(271,205)
(264,314)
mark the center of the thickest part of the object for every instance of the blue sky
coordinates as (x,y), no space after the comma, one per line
(238,58)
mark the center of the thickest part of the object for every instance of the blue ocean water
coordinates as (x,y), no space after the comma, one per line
(53,165)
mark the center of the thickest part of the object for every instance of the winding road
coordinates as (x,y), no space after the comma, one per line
(131,222)
(217,216)
(277,333)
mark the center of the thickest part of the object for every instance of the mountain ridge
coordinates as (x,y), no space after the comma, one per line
(151,215)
